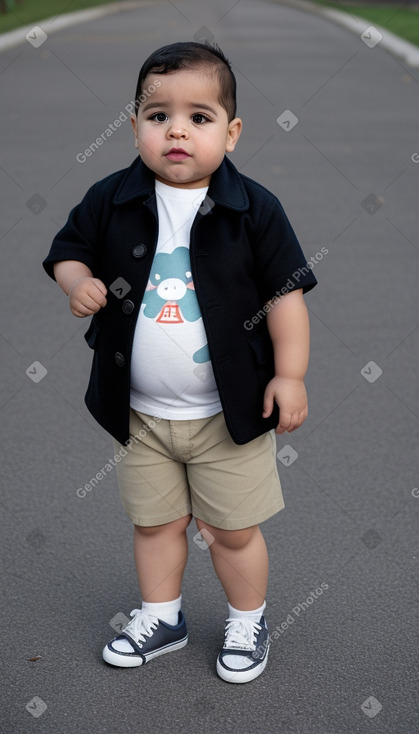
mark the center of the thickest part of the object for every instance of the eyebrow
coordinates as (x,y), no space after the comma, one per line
(195,105)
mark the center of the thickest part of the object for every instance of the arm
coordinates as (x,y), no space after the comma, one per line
(288,327)
(86,293)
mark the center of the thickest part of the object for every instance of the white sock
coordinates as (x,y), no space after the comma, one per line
(167,611)
(253,614)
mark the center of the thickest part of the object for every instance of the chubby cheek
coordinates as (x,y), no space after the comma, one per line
(212,155)
(149,143)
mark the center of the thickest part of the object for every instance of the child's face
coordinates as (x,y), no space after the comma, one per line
(184,113)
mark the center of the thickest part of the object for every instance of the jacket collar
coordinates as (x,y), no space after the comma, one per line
(226,185)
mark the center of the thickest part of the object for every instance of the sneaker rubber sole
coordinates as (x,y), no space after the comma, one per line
(126,660)
(241,676)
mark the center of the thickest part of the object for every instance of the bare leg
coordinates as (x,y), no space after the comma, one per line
(160,555)
(240,560)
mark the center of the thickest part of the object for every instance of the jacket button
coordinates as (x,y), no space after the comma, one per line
(139,250)
(119,359)
(127,306)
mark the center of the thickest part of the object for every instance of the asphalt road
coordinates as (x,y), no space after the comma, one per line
(345,164)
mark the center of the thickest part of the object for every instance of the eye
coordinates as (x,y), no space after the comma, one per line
(199,119)
(159,117)
(188,274)
(157,276)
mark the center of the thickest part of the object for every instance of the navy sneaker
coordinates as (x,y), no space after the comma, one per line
(245,651)
(143,639)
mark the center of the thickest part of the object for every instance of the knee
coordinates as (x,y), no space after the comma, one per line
(231,539)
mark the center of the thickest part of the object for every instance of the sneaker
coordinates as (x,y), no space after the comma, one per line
(245,650)
(143,639)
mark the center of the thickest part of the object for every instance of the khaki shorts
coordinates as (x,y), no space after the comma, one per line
(175,468)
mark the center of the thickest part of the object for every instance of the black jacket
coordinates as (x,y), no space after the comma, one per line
(243,251)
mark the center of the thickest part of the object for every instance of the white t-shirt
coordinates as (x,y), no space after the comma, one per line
(171,372)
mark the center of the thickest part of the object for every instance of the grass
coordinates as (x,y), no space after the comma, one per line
(25,12)
(395,17)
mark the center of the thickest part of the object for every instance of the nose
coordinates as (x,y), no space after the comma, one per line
(177,132)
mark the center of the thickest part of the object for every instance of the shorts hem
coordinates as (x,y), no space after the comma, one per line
(241,523)
(152,522)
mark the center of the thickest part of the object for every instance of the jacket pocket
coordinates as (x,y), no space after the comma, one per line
(92,335)
(261,347)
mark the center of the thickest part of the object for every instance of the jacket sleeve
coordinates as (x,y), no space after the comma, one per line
(280,261)
(79,238)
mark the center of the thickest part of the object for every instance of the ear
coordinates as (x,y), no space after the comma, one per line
(233,133)
(134,124)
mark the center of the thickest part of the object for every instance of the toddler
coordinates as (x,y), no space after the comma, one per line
(195,281)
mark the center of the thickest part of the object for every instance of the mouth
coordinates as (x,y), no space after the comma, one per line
(177,154)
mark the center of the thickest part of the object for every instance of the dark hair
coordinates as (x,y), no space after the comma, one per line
(186,55)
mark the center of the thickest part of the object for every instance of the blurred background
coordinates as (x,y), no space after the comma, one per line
(330,107)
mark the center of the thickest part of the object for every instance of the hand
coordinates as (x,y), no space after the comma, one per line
(291,397)
(87,295)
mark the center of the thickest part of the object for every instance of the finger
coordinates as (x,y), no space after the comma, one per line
(285,421)
(100,301)
(80,314)
(268,404)
(97,296)
(100,285)
(293,422)
(83,309)
(92,299)
(298,420)
(86,307)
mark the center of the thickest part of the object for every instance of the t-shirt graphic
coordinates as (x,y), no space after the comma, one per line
(170,297)
(171,370)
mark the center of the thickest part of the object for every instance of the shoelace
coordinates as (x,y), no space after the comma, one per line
(241,634)
(141,626)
